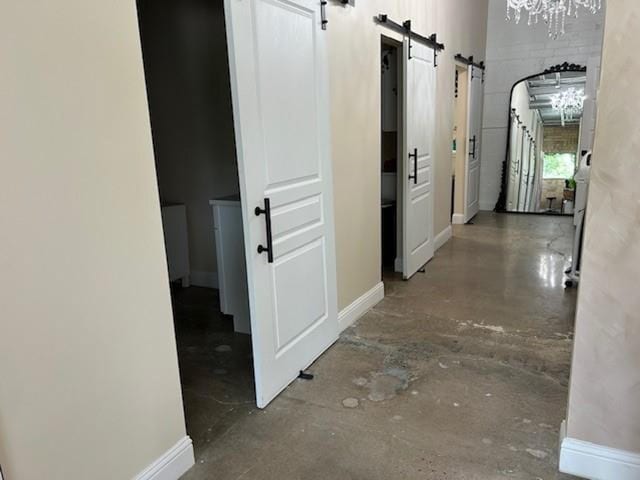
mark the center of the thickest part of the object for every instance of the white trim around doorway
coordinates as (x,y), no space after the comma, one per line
(442,238)
(457,219)
(353,312)
(172,464)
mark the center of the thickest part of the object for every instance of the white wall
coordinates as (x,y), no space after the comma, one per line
(514,52)
(89,385)
(520,101)
(187,73)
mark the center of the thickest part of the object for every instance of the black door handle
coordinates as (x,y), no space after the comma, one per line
(267,213)
(473,142)
(415,166)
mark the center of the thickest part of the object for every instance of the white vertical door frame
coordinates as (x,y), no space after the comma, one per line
(279,85)
(418,108)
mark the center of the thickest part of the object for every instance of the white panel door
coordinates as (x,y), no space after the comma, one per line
(474,133)
(514,145)
(278,64)
(419,128)
(524,173)
(514,186)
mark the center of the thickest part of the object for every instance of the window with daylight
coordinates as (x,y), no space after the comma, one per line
(559,165)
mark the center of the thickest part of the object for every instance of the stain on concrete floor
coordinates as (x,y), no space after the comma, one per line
(460,373)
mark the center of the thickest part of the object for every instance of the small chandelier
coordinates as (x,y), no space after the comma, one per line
(553,12)
(569,103)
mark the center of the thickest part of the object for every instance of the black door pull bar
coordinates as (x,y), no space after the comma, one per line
(267,213)
(414,155)
(473,151)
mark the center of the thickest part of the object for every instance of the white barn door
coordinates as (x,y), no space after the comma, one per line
(419,130)
(277,57)
(474,133)
(514,159)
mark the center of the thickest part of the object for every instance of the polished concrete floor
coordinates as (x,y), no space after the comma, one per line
(460,373)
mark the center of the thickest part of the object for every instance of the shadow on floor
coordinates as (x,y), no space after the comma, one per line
(216,369)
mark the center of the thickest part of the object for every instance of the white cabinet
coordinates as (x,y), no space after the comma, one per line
(176,241)
(232,270)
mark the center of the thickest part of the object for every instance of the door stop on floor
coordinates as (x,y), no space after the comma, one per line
(305,376)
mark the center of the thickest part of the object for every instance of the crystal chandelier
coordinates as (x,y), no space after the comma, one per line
(569,103)
(553,12)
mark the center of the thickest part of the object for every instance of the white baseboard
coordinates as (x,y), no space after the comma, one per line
(360,306)
(172,464)
(596,462)
(442,238)
(204,279)
(457,219)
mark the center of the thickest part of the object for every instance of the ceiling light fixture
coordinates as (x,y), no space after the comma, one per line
(553,12)
(569,103)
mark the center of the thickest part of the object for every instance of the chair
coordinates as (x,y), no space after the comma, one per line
(551,200)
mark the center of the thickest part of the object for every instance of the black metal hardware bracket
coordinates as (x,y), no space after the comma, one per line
(434,39)
(323,11)
(414,177)
(469,61)
(473,141)
(267,213)
(516,116)
(305,376)
(405,29)
(457,83)
(323,14)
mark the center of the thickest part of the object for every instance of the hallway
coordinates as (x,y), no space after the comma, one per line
(460,373)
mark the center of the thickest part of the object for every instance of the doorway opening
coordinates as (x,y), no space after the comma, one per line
(458,145)
(391,151)
(466,139)
(184,48)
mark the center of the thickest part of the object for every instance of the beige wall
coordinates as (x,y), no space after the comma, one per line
(604,400)
(354,49)
(89,385)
